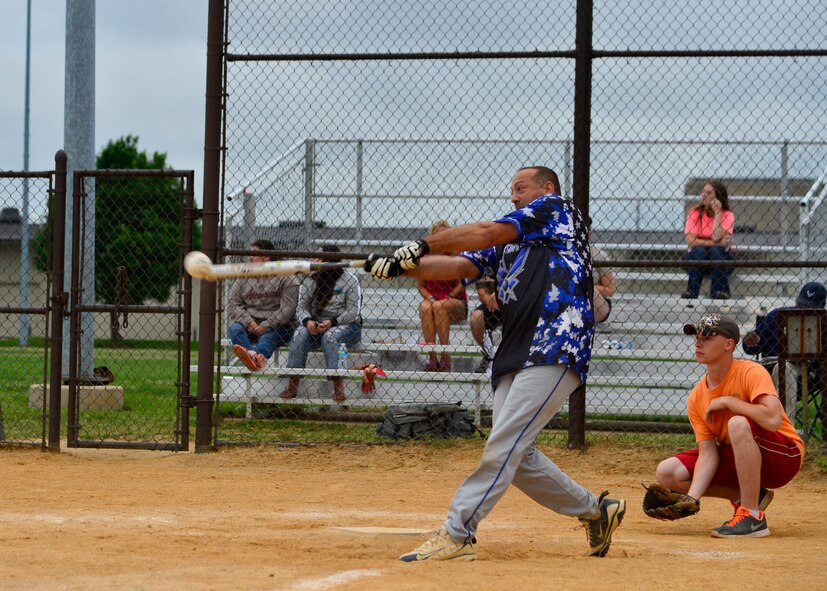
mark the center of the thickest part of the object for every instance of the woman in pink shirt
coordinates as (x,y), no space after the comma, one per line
(708,234)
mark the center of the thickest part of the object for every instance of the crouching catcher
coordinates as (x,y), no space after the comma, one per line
(747,445)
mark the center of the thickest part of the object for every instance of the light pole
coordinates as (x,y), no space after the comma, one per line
(24,222)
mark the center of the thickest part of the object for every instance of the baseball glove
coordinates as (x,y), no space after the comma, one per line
(660,502)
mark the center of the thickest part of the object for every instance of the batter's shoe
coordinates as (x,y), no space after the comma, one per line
(765,496)
(599,529)
(441,546)
(743,525)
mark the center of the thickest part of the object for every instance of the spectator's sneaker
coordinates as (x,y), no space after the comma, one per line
(261,361)
(720,295)
(765,496)
(246,357)
(599,528)
(743,525)
(482,366)
(688,295)
(441,546)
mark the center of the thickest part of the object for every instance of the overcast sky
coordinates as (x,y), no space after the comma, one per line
(151,60)
(149,82)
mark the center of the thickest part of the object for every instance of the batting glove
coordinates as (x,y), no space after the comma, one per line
(382,267)
(408,256)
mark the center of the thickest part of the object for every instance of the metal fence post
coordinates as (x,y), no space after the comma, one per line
(580,187)
(309,189)
(209,236)
(57,301)
(359,195)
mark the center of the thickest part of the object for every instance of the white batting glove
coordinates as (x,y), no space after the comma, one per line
(408,256)
(382,267)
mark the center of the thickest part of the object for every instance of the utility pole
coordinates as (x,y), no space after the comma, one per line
(24,222)
(79,144)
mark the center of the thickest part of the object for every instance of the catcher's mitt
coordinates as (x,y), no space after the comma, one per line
(660,502)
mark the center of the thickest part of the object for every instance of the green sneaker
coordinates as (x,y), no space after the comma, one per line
(441,546)
(599,528)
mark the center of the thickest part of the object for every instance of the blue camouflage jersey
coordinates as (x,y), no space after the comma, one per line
(544,285)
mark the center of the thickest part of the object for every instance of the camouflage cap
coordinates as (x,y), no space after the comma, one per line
(711,325)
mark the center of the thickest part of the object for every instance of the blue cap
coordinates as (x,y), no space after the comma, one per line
(812,295)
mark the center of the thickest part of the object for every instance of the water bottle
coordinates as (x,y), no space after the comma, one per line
(343,361)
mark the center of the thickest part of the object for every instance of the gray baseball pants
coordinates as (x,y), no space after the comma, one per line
(524,403)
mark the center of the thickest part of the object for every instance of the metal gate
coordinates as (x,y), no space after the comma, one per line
(130,309)
(25,285)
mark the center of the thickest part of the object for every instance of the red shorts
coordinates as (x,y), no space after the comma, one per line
(780,460)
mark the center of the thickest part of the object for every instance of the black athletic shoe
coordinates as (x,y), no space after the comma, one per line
(599,528)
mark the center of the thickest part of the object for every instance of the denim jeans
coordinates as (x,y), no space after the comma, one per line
(328,341)
(265,344)
(718,277)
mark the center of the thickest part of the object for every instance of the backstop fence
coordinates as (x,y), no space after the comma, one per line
(360,124)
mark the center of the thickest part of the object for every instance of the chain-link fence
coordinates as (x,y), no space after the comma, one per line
(24,320)
(129,353)
(121,375)
(360,124)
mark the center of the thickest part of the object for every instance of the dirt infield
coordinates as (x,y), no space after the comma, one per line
(269,519)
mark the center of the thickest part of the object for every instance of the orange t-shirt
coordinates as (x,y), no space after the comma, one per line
(746,380)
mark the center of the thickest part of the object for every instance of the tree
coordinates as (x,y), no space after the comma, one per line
(137,226)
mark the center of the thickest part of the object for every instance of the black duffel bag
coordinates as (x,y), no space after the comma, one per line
(415,421)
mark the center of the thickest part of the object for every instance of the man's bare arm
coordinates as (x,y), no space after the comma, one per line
(470,237)
(476,236)
(444,267)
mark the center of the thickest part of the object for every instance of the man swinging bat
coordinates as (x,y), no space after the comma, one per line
(539,254)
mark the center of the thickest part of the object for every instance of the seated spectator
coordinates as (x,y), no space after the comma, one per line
(708,233)
(329,313)
(485,318)
(443,302)
(764,339)
(261,312)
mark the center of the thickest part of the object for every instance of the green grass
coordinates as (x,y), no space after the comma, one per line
(147,371)
(147,376)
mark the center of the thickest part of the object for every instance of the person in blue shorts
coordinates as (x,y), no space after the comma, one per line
(539,254)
